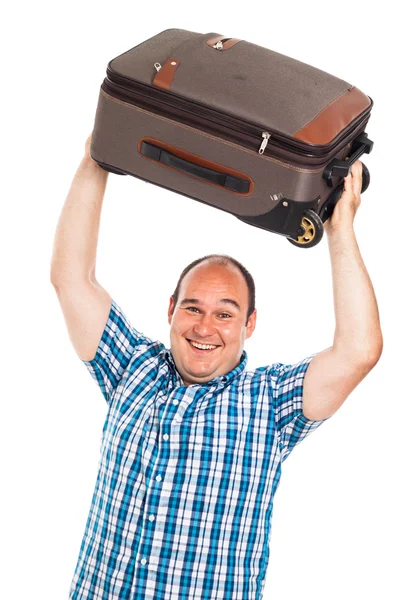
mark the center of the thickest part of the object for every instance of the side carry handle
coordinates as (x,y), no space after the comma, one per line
(167,158)
(340,168)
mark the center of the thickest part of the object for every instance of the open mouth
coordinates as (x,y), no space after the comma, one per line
(202,348)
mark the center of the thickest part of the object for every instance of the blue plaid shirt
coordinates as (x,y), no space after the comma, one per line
(187,474)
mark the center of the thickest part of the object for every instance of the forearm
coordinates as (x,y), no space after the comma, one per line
(76,237)
(358,333)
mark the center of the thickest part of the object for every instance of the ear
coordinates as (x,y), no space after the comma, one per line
(251,324)
(170,309)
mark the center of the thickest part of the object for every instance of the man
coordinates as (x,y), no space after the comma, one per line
(193,443)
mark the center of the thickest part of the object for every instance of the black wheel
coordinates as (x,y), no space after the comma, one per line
(310,231)
(366,178)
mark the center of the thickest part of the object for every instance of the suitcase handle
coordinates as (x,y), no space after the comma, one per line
(235,184)
(340,168)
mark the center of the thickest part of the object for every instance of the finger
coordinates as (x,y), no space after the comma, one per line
(348,182)
(357,177)
(353,181)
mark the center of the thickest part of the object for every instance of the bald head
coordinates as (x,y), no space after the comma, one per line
(222,260)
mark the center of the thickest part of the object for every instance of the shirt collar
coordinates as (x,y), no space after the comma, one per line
(219,380)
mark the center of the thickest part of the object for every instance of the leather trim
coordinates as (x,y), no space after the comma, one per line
(198,161)
(228,44)
(334,117)
(165,75)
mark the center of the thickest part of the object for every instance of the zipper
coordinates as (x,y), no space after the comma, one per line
(264,143)
(227,126)
(220,44)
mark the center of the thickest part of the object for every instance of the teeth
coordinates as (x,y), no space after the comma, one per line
(202,346)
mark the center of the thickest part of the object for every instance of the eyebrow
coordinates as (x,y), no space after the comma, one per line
(222,301)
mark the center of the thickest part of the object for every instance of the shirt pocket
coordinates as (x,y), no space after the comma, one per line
(225,429)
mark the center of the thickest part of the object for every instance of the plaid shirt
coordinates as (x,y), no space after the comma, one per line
(187,474)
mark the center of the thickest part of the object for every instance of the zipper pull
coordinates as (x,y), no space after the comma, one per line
(157,66)
(220,44)
(264,143)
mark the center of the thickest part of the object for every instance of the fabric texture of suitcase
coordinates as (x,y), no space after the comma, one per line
(234,125)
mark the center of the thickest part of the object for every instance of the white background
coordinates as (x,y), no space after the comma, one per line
(335,526)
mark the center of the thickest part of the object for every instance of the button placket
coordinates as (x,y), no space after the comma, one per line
(159,522)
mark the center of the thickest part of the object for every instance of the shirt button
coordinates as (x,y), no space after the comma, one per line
(158,477)
(165,436)
(143,561)
(151,518)
(176,401)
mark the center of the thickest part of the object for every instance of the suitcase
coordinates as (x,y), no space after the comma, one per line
(234,125)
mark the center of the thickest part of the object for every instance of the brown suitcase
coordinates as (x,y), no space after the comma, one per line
(234,125)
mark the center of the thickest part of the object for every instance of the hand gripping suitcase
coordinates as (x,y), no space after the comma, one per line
(232,124)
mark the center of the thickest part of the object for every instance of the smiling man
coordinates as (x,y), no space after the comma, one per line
(214,315)
(193,442)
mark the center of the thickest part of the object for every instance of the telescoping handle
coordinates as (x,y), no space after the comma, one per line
(230,182)
(340,168)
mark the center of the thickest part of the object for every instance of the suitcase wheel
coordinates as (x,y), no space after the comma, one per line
(366,178)
(310,231)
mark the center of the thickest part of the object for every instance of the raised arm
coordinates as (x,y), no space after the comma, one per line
(334,373)
(84,302)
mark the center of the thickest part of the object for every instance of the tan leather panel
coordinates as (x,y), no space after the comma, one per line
(228,44)
(334,117)
(165,75)
(198,161)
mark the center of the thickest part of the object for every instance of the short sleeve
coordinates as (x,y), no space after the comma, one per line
(287,393)
(117,345)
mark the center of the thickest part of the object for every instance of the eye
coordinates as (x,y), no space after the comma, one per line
(224,315)
(192,308)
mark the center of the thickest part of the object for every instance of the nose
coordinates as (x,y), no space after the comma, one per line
(204,326)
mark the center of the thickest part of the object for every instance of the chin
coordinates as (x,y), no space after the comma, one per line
(196,376)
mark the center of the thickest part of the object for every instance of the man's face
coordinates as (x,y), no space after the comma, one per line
(211,310)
